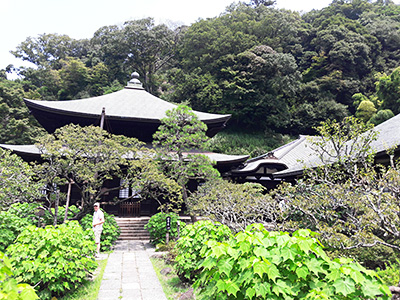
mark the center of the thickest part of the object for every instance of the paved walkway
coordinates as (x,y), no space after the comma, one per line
(129,274)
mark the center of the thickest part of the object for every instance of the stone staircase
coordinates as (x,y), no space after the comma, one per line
(133,228)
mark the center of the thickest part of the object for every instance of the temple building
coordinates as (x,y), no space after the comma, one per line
(132,112)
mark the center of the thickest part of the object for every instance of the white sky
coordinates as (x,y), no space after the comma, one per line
(20,19)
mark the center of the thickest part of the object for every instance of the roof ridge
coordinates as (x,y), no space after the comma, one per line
(291,145)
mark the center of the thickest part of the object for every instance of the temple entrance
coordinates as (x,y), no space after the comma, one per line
(129,209)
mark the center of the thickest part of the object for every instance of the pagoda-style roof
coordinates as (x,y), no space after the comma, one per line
(131,112)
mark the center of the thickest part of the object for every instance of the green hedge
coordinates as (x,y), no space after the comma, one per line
(257,264)
(9,287)
(53,259)
(158,230)
(192,242)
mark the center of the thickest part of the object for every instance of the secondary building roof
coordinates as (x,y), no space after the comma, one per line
(291,159)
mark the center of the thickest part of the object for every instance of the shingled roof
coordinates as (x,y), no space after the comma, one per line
(131,111)
(299,154)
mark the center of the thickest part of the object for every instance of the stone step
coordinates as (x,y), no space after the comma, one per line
(133,228)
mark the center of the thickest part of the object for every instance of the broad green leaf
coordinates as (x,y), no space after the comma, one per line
(302,272)
(282,240)
(262,289)
(272,272)
(288,253)
(334,274)
(344,286)
(260,268)
(250,293)
(225,266)
(302,232)
(28,293)
(357,276)
(260,251)
(231,288)
(209,263)
(219,250)
(314,266)
(305,244)
(268,242)
(282,288)
(245,247)
(233,252)
(221,285)
(244,263)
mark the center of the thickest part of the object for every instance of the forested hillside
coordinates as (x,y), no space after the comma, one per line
(276,71)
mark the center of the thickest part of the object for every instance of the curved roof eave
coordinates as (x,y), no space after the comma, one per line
(126,104)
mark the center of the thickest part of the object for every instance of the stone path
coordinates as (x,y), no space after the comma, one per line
(129,274)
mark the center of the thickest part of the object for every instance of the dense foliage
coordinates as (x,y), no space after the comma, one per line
(110,233)
(9,287)
(53,259)
(179,133)
(234,205)
(10,227)
(276,71)
(17,182)
(157,227)
(90,157)
(258,264)
(194,238)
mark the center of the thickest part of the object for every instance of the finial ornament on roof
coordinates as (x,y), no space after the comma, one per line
(135,82)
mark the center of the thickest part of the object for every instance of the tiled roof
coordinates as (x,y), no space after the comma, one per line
(299,155)
(132,103)
(216,157)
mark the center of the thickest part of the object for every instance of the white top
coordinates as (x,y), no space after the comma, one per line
(98,217)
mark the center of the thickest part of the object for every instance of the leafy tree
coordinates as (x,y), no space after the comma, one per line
(181,131)
(17,182)
(47,50)
(87,157)
(137,45)
(381,116)
(17,126)
(347,200)
(74,78)
(234,205)
(388,91)
(365,110)
(154,184)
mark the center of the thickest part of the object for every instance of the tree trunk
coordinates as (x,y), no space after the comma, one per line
(56,207)
(67,201)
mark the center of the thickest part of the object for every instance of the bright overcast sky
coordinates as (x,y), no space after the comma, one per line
(81,18)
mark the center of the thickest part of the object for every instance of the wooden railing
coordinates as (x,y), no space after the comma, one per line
(129,209)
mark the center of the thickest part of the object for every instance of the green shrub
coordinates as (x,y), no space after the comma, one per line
(53,259)
(390,273)
(258,264)
(9,287)
(192,242)
(158,230)
(10,227)
(31,212)
(110,233)
(49,217)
